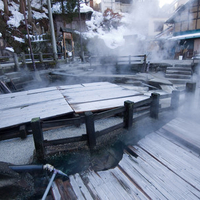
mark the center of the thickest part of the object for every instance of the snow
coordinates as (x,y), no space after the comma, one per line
(1,5)
(17,16)
(56,8)
(10,49)
(84,8)
(18,39)
(38,15)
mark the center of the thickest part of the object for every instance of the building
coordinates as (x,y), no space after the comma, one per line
(186,29)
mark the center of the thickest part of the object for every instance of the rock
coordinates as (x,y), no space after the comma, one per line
(14,185)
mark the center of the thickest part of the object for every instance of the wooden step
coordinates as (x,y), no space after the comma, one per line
(178,76)
(179,68)
(178,72)
(178,81)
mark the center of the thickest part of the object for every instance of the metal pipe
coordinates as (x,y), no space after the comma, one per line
(49,185)
(27,168)
(52,30)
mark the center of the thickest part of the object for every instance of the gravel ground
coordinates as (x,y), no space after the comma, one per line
(18,151)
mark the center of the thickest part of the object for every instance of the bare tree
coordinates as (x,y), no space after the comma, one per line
(29,11)
(22,6)
(6,11)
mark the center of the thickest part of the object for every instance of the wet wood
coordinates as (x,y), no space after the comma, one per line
(155,168)
(51,102)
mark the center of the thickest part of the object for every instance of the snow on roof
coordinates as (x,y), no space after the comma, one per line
(56,8)
(84,8)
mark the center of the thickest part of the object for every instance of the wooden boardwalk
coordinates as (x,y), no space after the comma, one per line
(159,167)
(19,108)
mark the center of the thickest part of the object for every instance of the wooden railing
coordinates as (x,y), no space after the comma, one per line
(133,59)
(22,59)
(131,112)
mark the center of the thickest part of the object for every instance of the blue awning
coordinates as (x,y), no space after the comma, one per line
(186,36)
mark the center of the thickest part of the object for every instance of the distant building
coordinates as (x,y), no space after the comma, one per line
(186,28)
(63,20)
(123,6)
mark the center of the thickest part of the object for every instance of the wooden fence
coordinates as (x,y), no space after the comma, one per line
(131,112)
(22,59)
(133,59)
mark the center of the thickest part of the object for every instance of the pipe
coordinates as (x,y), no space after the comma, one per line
(27,168)
(49,185)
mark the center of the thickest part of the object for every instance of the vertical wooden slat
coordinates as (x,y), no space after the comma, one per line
(38,137)
(175,99)
(23,131)
(154,108)
(128,114)
(89,122)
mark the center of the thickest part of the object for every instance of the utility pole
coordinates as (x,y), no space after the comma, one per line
(52,30)
(81,43)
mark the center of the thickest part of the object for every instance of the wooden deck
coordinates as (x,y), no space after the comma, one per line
(160,167)
(19,108)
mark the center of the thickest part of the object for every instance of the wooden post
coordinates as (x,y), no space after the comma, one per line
(154,108)
(38,137)
(190,87)
(41,57)
(16,62)
(89,122)
(129,59)
(144,63)
(175,99)
(23,58)
(23,131)
(128,114)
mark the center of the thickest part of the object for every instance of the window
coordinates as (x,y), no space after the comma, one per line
(158,26)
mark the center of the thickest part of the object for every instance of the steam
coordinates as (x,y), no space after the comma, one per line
(135,25)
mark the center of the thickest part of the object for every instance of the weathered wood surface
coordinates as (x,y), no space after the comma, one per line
(19,108)
(97,93)
(162,169)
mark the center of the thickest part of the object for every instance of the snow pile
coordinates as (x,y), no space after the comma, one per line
(16,17)
(57,8)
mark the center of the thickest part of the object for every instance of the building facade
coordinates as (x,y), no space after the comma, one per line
(186,31)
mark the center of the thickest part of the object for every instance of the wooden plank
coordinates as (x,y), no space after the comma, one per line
(95,186)
(105,104)
(91,88)
(181,162)
(165,180)
(108,188)
(43,110)
(93,95)
(121,184)
(185,129)
(132,190)
(27,100)
(140,180)
(79,188)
